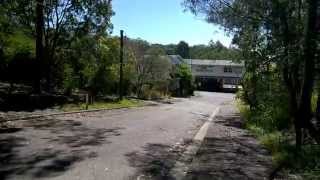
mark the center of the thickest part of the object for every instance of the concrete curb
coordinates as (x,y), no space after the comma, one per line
(180,169)
(66,113)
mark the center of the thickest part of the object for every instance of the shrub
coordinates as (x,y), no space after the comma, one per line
(266,126)
(151,93)
(184,75)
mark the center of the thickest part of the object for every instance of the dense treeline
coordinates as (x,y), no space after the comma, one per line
(65,46)
(214,50)
(279,41)
(46,34)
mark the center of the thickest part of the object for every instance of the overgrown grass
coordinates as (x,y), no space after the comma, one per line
(305,163)
(126,103)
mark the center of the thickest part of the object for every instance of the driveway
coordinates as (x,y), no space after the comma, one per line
(118,144)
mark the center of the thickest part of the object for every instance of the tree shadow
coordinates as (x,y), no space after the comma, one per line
(70,142)
(6,130)
(8,151)
(230,157)
(73,133)
(155,161)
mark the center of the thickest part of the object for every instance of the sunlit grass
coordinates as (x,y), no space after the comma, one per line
(126,103)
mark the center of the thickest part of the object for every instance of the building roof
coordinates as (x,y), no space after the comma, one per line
(176,59)
(212,62)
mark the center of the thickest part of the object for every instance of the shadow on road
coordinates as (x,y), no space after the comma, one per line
(48,147)
(230,156)
(156,160)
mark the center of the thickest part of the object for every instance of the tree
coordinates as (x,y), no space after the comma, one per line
(153,71)
(139,47)
(39,42)
(91,65)
(217,45)
(183,50)
(59,23)
(276,32)
(214,51)
(184,75)
(309,57)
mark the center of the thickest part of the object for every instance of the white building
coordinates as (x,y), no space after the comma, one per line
(216,74)
(213,75)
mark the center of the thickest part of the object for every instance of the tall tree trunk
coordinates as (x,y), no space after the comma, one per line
(318,109)
(39,43)
(289,76)
(310,49)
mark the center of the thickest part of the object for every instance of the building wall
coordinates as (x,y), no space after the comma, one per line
(217,71)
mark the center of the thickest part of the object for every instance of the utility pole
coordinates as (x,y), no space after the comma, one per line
(121,66)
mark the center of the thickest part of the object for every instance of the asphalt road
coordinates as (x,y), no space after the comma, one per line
(138,143)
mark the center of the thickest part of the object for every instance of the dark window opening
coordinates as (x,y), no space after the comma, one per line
(227,69)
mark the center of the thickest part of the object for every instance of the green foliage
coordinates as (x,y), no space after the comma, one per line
(153,72)
(95,65)
(67,26)
(151,93)
(184,75)
(183,50)
(268,100)
(184,72)
(18,43)
(215,50)
(17,53)
(305,163)
(276,39)
(69,82)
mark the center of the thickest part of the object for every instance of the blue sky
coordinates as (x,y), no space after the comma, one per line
(164,22)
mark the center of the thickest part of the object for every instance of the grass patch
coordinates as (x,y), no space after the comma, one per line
(126,103)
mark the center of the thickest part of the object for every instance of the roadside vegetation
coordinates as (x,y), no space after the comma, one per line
(125,103)
(279,43)
(279,141)
(54,52)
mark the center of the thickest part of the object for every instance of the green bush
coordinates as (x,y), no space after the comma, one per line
(268,115)
(279,142)
(151,93)
(184,74)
